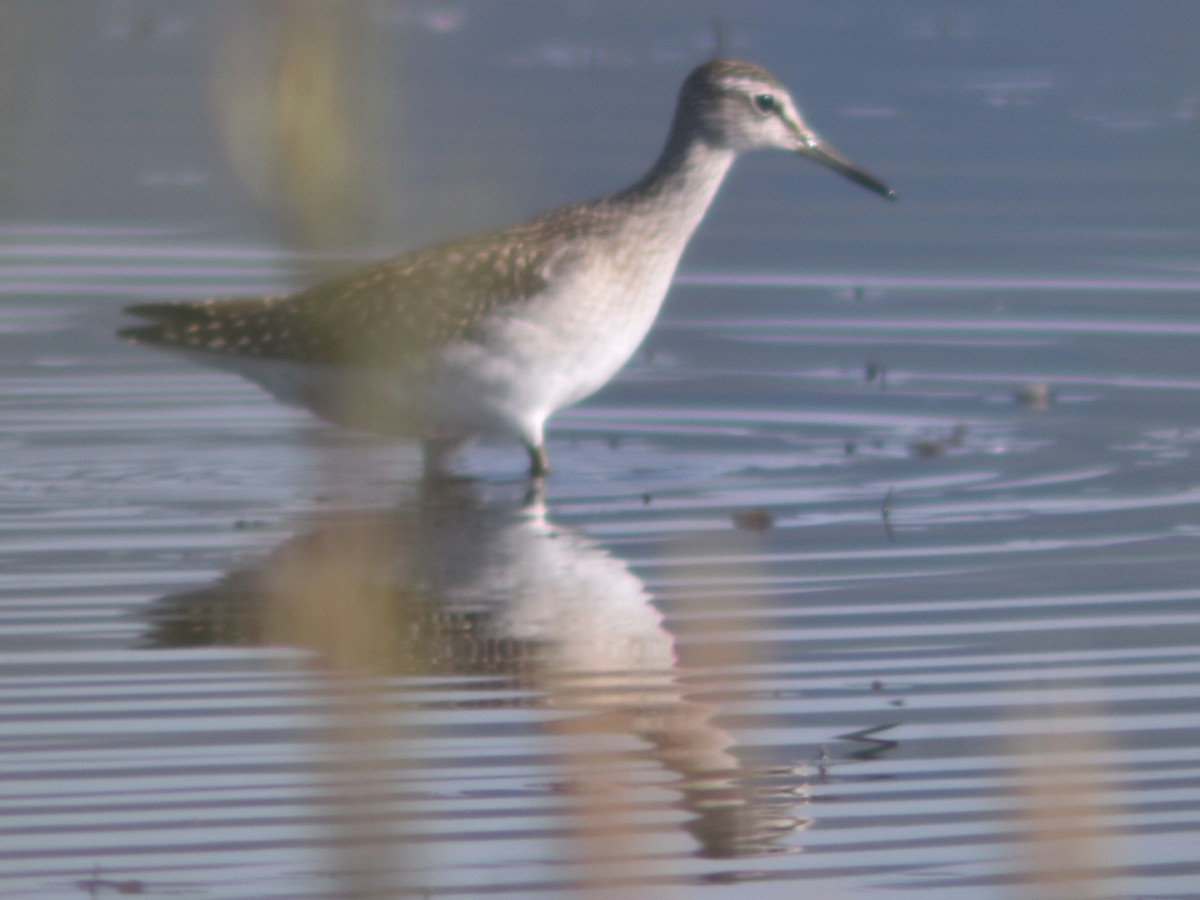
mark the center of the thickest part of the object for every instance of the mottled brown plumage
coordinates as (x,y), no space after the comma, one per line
(384,314)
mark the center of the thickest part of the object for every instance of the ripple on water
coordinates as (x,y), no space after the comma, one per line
(813,601)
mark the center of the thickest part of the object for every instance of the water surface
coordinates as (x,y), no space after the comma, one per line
(875,574)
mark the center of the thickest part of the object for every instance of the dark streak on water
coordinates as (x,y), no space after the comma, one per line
(875,575)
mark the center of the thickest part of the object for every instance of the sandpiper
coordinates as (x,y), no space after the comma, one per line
(492,334)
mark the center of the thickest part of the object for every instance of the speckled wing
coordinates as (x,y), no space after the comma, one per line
(385,315)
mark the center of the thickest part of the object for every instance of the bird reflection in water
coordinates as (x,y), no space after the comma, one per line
(451,586)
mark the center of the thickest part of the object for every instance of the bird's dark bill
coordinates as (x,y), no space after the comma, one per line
(827,156)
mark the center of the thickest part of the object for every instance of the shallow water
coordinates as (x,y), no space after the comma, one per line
(875,574)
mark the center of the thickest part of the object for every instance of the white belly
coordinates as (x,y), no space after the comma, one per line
(530,363)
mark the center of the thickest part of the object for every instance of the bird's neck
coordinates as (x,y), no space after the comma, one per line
(681,184)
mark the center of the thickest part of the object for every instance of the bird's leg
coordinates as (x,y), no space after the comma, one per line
(539,463)
(535,494)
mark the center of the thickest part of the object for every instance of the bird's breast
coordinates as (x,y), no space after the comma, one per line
(569,338)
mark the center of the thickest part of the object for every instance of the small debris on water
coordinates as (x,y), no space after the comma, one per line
(1034,395)
(874,371)
(929,447)
(885,512)
(753,519)
(96,886)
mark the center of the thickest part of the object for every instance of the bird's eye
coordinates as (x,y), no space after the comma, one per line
(766,103)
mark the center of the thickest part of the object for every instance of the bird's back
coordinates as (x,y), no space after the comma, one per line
(388,314)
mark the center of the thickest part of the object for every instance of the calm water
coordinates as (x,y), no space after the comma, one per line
(875,575)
